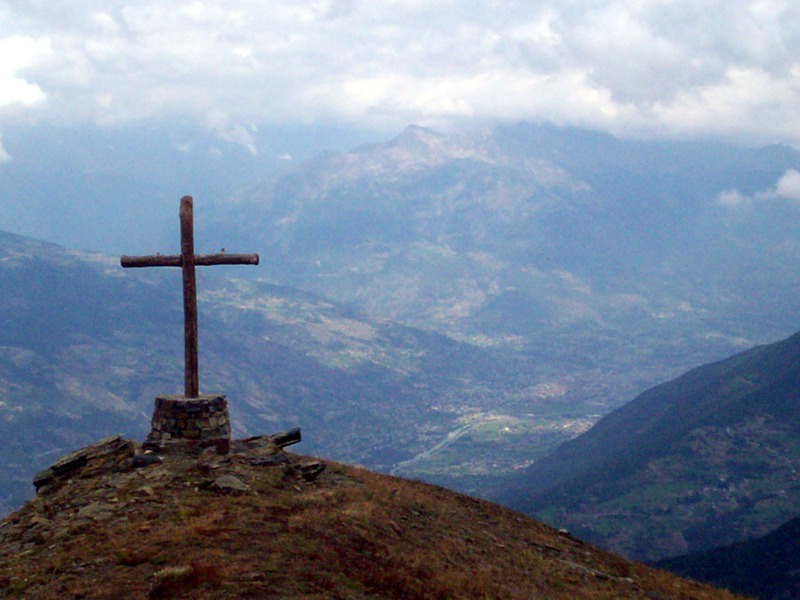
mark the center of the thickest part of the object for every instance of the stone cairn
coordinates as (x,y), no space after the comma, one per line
(201,422)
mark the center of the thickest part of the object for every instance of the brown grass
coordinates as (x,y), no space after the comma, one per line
(176,581)
(350,534)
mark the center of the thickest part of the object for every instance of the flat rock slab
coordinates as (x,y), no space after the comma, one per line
(228,484)
(111,449)
(273,460)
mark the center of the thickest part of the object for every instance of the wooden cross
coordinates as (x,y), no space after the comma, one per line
(187,261)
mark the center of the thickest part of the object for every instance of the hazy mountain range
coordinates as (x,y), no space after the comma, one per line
(595,267)
(530,232)
(113,189)
(468,303)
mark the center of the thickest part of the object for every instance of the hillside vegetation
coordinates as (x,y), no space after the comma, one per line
(262,523)
(705,460)
(765,567)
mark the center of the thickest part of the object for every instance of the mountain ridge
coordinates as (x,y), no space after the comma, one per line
(703,460)
(765,567)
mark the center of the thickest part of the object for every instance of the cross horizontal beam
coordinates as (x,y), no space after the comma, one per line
(203,260)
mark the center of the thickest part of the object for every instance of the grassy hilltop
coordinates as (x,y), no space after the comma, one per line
(262,523)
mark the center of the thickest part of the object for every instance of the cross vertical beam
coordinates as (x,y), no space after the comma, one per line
(187,260)
(192,385)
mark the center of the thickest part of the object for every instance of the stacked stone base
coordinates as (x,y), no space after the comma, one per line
(180,422)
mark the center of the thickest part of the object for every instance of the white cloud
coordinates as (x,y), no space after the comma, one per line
(17,53)
(716,68)
(786,188)
(732,198)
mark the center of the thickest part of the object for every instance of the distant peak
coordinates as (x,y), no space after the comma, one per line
(418,130)
(416,134)
(417,146)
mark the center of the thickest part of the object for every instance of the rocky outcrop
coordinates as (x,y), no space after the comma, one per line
(108,454)
(115,454)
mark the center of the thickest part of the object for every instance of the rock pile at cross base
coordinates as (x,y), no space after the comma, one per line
(259,522)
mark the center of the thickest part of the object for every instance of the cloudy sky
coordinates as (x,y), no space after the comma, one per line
(727,69)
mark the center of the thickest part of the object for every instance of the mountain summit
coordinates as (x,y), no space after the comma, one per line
(260,522)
